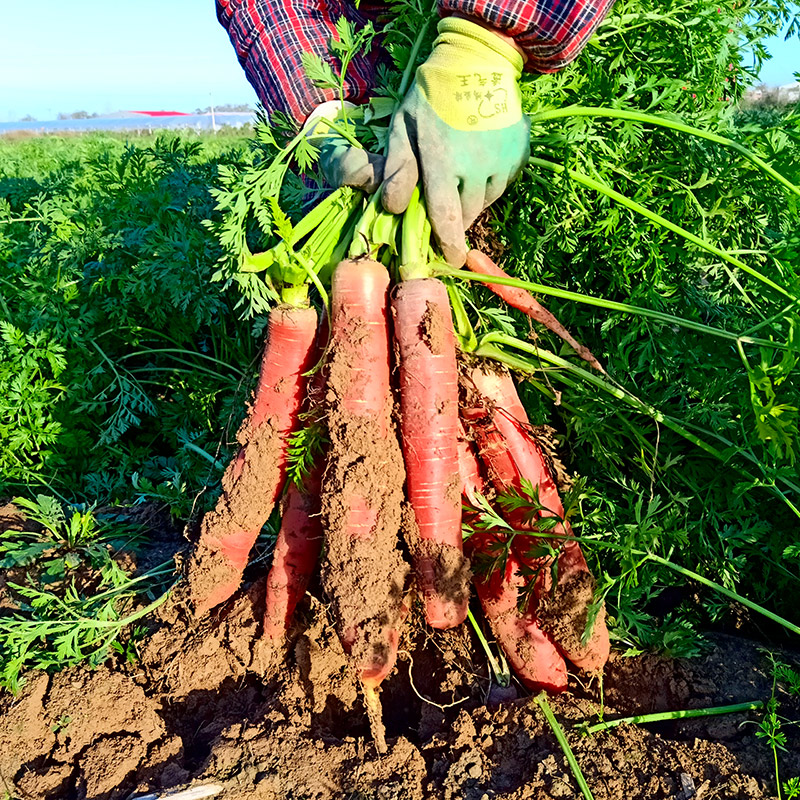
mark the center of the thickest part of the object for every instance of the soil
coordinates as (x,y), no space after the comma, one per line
(213,703)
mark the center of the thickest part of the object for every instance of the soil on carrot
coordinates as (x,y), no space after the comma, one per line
(483,236)
(366,576)
(451,568)
(211,702)
(563,612)
(242,506)
(434,330)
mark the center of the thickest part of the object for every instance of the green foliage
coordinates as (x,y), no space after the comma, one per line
(136,359)
(771,728)
(118,357)
(71,598)
(701,468)
(30,365)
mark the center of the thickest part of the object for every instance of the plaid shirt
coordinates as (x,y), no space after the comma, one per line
(270,35)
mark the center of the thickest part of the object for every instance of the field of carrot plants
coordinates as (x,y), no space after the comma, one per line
(292,508)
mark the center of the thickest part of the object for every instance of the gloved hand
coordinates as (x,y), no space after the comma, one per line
(340,162)
(461,126)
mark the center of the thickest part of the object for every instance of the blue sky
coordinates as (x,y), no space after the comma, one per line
(106,55)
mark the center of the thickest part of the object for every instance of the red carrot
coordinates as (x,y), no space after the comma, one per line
(254,480)
(531,653)
(511,453)
(524,301)
(429,424)
(472,483)
(296,553)
(300,537)
(362,493)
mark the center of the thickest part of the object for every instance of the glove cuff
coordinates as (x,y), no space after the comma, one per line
(316,129)
(451,27)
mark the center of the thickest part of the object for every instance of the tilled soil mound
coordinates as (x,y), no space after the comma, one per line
(212,703)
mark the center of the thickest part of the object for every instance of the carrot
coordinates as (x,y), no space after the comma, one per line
(531,653)
(510,454)
(472,483)
(254,480)
(362,490)
(296,553)
(423,330)
(530,650)
(525,302)
(299,542)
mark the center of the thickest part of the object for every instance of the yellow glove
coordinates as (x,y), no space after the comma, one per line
(461,126)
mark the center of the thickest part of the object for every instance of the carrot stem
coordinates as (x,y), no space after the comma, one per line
(663,222)
(664,716)
(443,270)
(561,737)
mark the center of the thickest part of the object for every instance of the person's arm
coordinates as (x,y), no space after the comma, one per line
(550,33)
(271,35)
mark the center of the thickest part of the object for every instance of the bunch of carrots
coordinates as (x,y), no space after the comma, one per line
(422,427)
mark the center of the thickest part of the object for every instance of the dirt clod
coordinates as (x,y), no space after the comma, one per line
(434,330)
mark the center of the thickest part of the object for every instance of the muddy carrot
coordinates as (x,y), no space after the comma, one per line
(531,653)
(423,331)
(296,553)
(511,453)
(253,481)
(299,541)
(525,302)
(362,493)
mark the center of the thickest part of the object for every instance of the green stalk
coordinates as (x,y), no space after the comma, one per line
(664,716)
(313,277)
(567,750)
(199,450)
(463,327)
(415,237)
(329,234)
(663,122)
(361,244)
(612,305)
(598,186)
(341,130)
(328,225)
(724,591)
(501,676)
(412,56)
(21,219)
(182,351)
(49,627)
(343,197)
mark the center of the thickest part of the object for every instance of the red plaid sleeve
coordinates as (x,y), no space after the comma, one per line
(551,32)
(270,36)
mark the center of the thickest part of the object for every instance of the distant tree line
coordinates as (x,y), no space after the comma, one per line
(241,107)
(77,115)
(772,98)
